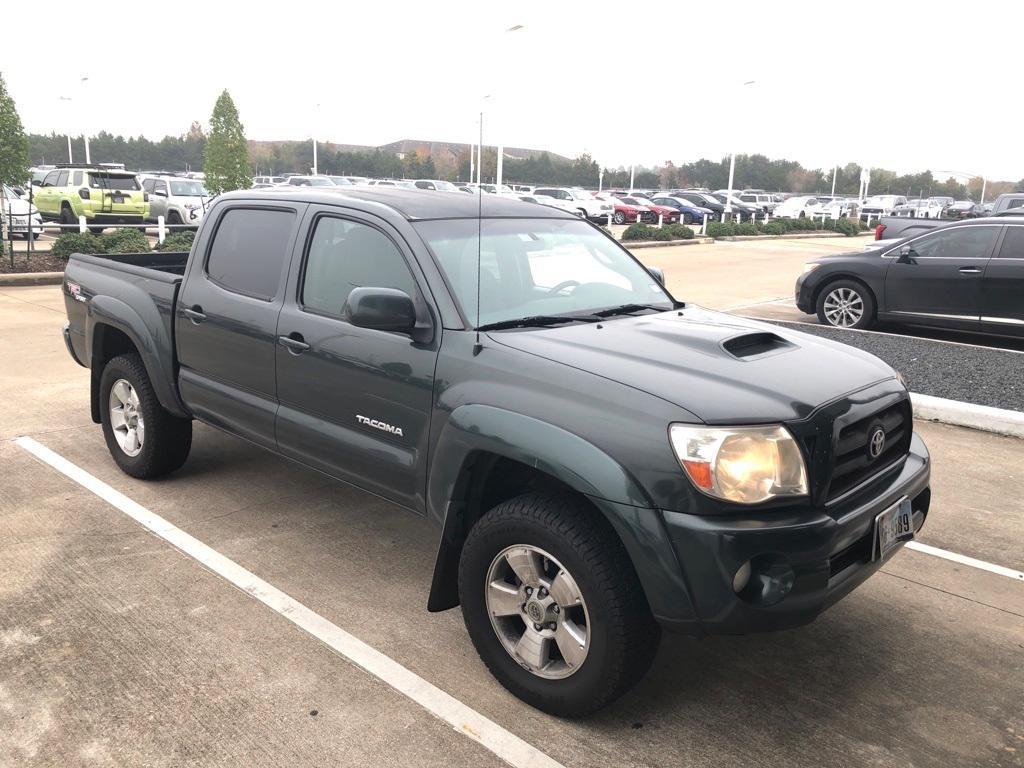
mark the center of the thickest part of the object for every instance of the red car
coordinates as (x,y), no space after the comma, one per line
(668,215)
(629,209)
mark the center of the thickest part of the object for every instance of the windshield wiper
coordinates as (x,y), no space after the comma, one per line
(537,320)
(627,309)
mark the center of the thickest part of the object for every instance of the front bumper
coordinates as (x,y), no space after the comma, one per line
(803,294)
(829,553)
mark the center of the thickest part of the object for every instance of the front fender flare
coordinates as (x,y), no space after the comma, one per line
(475,429)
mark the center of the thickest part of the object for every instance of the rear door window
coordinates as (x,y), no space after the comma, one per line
(249,250)
(1013,244)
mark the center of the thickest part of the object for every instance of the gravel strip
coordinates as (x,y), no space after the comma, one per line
(971,374)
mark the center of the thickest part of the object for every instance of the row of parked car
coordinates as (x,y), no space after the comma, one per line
(106,195)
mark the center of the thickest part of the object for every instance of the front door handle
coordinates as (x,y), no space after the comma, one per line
(970,271)
(294,343)
(194,313)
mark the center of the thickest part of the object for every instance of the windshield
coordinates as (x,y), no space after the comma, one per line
(445,186)
(536,267)
(340,181)
(188,189)
(105,181)
(579,194)
(9,193)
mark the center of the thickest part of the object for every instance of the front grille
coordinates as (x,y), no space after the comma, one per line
(853,462)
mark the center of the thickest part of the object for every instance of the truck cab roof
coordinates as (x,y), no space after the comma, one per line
(411,204)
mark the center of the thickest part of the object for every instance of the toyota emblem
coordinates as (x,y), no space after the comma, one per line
(877,443)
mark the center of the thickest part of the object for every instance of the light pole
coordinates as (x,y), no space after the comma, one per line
(67,99)
(501,146)
(316,126)
(732,169)
(85,133)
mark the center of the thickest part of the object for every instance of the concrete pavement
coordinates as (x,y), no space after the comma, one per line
(116,649)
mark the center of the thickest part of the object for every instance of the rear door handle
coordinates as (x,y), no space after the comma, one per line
(194,313)
(970,271)
(294,342)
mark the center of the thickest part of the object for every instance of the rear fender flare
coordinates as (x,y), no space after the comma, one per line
(109,311)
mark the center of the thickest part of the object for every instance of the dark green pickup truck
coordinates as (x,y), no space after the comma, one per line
(601,459)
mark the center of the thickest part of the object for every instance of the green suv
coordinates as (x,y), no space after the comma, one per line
(105,197)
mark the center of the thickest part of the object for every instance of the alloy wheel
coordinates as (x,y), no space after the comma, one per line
(537,611)
(844,307)
(126,420)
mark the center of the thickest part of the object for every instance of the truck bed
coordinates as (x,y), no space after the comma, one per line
(162,263)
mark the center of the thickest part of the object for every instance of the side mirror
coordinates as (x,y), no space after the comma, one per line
(906,255)
(159,193)
(382,309)
(657,273)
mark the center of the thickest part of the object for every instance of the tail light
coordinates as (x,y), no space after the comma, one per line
(83,193)
(878,231)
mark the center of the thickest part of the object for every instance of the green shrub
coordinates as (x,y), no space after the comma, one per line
(76,242)
(849,227)
(125,241)
(179,241)
(721,229)
(678,232)
(637,231)
(746,229)
(777,227)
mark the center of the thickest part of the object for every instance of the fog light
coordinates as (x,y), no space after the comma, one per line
(742,578)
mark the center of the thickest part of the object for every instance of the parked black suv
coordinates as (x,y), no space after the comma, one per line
(602,460)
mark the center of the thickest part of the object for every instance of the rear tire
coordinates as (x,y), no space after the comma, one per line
(619,217)
(578,560)
(67,216)
(128,405)
(846,304)
(687,218)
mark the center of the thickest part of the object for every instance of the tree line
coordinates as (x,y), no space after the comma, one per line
(225,147)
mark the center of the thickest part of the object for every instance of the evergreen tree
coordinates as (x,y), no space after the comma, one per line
(13,141)
(226,157)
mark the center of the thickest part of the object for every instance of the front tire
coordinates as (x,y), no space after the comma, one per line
(687,218)
(619,217)
(144,439)
(553,604)
(846,304)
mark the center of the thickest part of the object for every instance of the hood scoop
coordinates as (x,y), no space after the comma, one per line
(755,346)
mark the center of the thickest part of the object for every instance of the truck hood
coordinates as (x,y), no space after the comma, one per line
(721,368)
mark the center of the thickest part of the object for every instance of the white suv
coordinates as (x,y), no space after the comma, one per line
(584,202)
(178,199)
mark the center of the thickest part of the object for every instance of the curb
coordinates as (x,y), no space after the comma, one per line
(9,279)
(795,236)
(982,417)
(667,243)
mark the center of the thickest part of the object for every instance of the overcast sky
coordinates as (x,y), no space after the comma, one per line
(906,86)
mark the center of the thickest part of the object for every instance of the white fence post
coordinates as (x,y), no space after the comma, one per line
(161,231)
(704,225)
(661,221)
(81,224)
(609,221)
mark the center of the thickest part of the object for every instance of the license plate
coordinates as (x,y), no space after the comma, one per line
(894,525)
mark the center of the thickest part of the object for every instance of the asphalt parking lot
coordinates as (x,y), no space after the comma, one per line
(118,649)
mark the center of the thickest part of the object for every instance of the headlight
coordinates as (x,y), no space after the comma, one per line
(747,465)
(810,267)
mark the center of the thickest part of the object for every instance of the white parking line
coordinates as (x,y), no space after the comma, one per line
(462,718)
(964,560)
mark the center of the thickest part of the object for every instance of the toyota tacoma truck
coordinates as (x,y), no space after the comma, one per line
(602,460)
